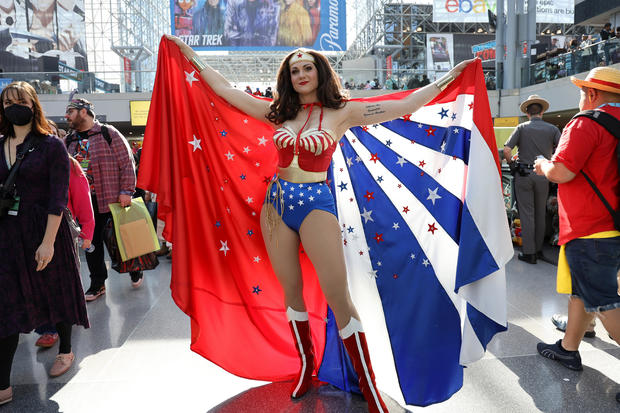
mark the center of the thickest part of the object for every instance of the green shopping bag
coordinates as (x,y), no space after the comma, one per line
(134,229)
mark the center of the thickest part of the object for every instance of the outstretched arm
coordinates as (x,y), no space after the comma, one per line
(366,113)
(256,108)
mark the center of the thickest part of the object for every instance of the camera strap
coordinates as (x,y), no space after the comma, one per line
(10,179)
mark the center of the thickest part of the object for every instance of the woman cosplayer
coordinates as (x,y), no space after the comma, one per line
(310,114)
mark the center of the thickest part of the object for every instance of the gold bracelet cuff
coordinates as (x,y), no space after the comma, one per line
(444,81)
(197,63)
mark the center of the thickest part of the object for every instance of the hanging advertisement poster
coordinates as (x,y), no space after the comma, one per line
(463,11)
(476,11)
(260,24)
(35,35)
(439,56)
(484,51)
(555,11)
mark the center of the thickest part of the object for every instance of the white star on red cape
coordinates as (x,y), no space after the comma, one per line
(224,248)
(195,143)
(189,78)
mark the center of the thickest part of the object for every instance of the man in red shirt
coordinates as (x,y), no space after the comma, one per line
(587,233)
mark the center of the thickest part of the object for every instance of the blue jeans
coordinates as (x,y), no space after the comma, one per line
(594,265)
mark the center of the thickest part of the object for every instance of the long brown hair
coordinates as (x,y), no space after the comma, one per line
(286,103)
(23,90)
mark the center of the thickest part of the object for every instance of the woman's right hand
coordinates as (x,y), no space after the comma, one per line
(185,49)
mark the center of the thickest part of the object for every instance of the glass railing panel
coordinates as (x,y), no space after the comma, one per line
(555,66)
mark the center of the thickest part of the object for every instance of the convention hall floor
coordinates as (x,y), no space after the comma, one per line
(136,358)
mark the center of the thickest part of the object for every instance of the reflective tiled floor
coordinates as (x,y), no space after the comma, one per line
(136,358)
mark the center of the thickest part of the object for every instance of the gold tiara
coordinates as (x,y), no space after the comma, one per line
(301,56)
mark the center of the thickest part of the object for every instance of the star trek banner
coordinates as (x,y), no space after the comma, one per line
(260,24)
(423,222)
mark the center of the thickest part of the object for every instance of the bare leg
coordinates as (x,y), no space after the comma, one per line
(577,324)
(283,250)
(322,241)
(611,321)
(321,237)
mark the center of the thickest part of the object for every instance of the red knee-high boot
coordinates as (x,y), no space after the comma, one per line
(300,327)
(355,342)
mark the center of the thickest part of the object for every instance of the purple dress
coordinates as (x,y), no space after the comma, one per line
(29,299)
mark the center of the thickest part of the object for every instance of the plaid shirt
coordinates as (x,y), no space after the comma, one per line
(112,165)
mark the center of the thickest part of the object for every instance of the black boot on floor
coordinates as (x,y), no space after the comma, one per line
(529,258)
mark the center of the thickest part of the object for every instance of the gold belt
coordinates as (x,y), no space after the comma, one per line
(299,176)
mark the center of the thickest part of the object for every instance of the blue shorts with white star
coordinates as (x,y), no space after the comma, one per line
(293,202)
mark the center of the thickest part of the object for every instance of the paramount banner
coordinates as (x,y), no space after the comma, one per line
(260,24)
(37,35)
(476,11)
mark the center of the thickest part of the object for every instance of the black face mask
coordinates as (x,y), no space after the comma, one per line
(18,115)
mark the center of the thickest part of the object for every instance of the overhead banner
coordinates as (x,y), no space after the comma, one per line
(476,11)
(440,52)
(463,11)
(36,35)
(260,24)
(555,11)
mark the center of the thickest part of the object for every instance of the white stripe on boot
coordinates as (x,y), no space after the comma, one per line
(294,317)
(355,327)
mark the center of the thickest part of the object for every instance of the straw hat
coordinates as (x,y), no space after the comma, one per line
(604,78)
(534,99)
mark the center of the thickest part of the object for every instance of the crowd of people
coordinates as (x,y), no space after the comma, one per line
(578,54)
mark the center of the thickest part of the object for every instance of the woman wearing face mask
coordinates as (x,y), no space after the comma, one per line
(81,208)
(39,277)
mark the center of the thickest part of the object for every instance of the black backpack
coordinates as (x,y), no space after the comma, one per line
(612,125)
(104,132)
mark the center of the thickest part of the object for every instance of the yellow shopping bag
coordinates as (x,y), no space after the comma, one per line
(134,229)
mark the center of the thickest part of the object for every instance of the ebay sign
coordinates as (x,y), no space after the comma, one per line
(462,11)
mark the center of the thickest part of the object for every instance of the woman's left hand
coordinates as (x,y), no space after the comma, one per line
(44,255)
(456,70)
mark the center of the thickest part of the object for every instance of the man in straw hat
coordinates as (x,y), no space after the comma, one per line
(590,242)
(534,138)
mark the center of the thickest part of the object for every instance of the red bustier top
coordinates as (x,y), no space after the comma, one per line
(309,150)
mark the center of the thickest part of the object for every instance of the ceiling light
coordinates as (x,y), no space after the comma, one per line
(418,29)
(559,31)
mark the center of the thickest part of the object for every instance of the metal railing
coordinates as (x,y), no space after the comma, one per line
(560,65)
